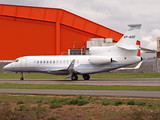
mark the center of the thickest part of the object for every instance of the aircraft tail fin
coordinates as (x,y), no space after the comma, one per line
(130,38)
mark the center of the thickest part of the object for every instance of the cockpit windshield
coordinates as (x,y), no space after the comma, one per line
(16,60)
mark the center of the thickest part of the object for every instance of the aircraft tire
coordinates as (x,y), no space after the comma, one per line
(74,77)
(86,77)
(21,78)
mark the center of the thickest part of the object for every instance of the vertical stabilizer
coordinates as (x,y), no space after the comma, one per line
(130,38)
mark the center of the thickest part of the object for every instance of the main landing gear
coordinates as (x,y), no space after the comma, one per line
(74,77)
(22,75)
(85,77)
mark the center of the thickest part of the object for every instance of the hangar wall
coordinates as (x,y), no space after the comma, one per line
(45,31)
(17,41)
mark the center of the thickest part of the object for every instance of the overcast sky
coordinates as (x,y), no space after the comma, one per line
(114,14)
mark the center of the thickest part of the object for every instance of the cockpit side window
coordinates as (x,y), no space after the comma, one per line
(16,60)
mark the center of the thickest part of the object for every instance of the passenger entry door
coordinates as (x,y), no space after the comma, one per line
(24,64)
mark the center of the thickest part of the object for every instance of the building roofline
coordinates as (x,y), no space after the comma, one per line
(58,15)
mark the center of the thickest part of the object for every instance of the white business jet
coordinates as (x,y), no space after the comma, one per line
(101,59)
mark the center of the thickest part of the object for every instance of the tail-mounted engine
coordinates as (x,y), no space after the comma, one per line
(98,60)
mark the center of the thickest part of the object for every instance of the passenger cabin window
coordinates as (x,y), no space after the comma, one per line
(50,61)
(47,62)
(37,62)
(41,62)
(44,62)
(16,60)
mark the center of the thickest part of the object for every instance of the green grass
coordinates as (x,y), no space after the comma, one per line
(55,106)
(118,103)
(100,75)
(85,107)
(105,103)
(59,101)
(131,102)
(88,108)
(20,102)
(78,87)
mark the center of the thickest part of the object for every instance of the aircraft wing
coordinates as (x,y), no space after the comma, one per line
(137,67)
(69,70)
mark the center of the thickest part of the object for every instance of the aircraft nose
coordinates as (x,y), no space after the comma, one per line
(7,67)
(4,68)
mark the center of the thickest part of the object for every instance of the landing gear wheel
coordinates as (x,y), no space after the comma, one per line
(21,78)
(86,77)
(74,77)
(22,75)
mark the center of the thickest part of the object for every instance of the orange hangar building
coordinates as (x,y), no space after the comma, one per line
(45,31)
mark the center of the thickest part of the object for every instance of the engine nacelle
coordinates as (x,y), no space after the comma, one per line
(97,50)
(98,60)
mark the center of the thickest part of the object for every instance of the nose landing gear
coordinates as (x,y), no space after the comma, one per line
(21,78)
(22,75)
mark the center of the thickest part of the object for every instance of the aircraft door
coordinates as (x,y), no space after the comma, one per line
(24,64)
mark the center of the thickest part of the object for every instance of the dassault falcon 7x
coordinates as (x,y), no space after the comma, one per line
(101,59)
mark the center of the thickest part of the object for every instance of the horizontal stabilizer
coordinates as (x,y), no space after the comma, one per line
(146,49)
(130,37)
(134,25)
(136,47)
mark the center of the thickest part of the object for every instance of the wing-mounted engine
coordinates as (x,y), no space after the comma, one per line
(99,60)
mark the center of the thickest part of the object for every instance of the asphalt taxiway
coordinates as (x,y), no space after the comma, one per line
(131,81)
(85,92)
(127,81)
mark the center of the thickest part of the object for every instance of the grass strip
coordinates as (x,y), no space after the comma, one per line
(99,75)
(82,107)
(78,87)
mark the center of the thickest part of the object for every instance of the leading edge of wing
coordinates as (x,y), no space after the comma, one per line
(70,67)
(70,70)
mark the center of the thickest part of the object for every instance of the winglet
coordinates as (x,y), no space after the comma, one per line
(71,66)
(70,69)
(137,67)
